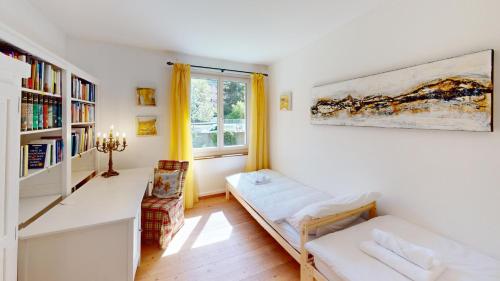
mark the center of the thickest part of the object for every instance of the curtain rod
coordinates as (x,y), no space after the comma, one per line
(220,69)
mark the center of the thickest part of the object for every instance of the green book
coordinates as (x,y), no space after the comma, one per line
(35,112)
(40,113)
(29,112)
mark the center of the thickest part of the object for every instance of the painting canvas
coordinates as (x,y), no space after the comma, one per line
(146,126)
(286,101)
(146,97)
(451,94)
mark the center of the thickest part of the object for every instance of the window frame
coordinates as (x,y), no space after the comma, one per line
(222,150)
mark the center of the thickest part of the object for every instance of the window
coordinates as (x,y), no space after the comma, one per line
(219,114)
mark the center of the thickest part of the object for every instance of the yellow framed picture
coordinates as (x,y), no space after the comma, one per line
(286,101)
(146,97)
(146,126)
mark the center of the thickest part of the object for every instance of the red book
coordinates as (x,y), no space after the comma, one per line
(45,113)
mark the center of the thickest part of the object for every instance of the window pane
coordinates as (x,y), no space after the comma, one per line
(204,112)
(235,113)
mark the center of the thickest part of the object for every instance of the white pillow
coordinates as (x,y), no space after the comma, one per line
(333,206)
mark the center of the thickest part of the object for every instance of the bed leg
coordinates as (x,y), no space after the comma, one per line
(227,193)
(305,275)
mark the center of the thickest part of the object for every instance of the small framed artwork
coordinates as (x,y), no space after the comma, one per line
(146,126)
(146,97)
(286,101)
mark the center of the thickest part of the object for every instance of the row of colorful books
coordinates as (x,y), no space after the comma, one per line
(40,154)
(44,76)
(40,112)
(82,139)
(81,112)
(82,90)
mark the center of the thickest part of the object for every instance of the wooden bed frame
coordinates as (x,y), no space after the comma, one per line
(308,271)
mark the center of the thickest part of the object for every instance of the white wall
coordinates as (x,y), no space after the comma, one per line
(447,181)
(211,173)
(22,17)
(121,69)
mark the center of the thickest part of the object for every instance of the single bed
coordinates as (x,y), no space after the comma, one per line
(337,256)
(271,203)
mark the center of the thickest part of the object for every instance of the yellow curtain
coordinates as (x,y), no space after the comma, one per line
(180,127)
(258,157)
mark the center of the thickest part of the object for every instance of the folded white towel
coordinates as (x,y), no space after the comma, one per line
(258,178)
(400,264)
(418,255)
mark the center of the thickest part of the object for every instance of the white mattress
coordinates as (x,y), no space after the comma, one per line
(278,199)
(326,270)
(341,255)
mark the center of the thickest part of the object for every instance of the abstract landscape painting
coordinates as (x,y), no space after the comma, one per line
(451,94)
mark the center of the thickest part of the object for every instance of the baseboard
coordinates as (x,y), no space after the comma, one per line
(212,194)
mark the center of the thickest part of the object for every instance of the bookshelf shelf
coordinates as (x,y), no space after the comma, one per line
(83,124)
(40,131)
(36,172)
(80,155)
(84,101)
(30,207)
(78,176)
(28,90)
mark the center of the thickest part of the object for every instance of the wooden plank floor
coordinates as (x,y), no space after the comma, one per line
(219,241)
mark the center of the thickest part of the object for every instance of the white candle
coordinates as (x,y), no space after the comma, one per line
(99,137)
(124,137)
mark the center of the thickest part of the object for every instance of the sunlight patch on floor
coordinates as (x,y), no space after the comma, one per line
(217,229)
(181,236)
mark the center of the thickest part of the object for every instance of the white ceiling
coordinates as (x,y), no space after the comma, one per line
(250,31)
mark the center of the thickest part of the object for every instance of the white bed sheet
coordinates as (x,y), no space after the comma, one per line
(293,236)
(278,199)
(340,252)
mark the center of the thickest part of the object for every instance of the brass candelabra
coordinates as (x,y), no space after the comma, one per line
(109,144)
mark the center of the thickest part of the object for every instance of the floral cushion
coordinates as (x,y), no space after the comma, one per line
(167,183)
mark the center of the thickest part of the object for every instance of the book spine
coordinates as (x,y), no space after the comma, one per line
(45,113)
(55,109)
(46,72)
(33,71)
(21,158)
(25,160)
(24,109)
(29,112)
(35,78)
(59,114)
(50,117)
(35,112)
(40,113)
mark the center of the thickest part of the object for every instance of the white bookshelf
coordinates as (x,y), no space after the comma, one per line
(40,189)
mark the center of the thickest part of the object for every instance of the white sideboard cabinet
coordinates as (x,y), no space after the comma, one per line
(92,235)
